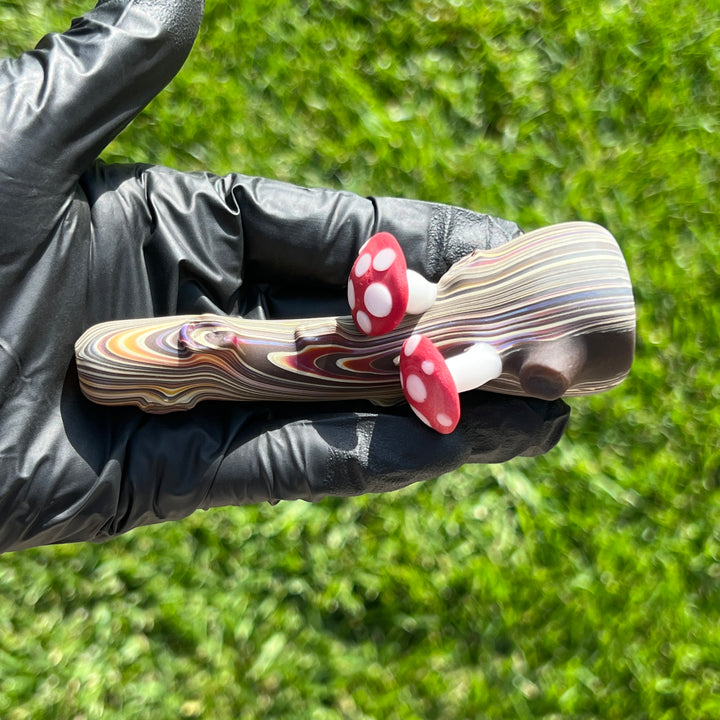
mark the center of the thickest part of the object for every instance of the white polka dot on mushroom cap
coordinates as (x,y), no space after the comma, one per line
(363,265)
(411,344)
(378,300)
(444,419)
(384,259)
(363,322)
(351,295)
(428,367)
(416,388)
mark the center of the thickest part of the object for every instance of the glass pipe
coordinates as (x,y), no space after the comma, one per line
(548,314)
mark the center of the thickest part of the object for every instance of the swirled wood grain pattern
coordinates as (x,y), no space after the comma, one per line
(563,281)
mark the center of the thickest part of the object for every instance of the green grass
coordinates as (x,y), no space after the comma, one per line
(584,584)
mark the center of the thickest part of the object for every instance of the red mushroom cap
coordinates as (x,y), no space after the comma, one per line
(428,385)
(378,285)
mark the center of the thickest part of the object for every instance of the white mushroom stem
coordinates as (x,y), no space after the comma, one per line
(474,367)
(422,293)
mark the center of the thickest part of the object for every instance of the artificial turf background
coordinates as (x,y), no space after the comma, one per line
(584,584)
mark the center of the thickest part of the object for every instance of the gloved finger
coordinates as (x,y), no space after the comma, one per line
(345,453)
(299,235)
(433,237)
(501,427)
(256,247)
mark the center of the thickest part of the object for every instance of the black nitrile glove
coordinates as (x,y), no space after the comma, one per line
(82,242)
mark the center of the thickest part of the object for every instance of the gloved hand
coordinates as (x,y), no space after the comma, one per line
(82,242)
